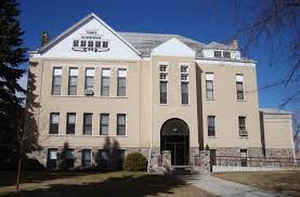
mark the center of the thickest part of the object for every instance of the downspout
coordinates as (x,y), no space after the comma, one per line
(292,139)
(151,143)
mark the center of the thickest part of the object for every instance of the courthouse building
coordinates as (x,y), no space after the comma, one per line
(149,93)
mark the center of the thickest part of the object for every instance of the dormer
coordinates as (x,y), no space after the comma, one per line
(221,51)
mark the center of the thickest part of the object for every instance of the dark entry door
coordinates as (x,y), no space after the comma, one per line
(175,138)
(177,153)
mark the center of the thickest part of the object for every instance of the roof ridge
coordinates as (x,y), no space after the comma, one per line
(164,34)
(149,33)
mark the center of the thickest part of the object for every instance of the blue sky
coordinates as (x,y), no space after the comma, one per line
(200,20)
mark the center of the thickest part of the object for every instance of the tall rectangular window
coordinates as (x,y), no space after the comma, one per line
(69,158)
(184,73)
(163,85)
(163,92)
(72,86)
(242,126)
(54,123)
(121,124)
(244,156)
(105,81)
(184,92)
(211,125)
(209,86)
(122,74)
(71,121)
(86,158)
(103,158)
(56,81)
(87,123)
(104,124)
(52,158)
(239,87)
(89,78)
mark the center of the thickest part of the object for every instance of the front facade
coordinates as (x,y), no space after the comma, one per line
(148,93)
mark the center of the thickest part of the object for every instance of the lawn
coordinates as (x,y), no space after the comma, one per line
(285,182)
(133,184)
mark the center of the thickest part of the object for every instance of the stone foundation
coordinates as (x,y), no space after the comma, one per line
(226,156)
(202,162)
(279,152)
(155,163)
(256,157)
(42,155)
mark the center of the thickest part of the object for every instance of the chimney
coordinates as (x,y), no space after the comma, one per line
(44,39)
(234,44)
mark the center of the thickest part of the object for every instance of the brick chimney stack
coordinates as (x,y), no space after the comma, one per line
(44,39)
(234,44)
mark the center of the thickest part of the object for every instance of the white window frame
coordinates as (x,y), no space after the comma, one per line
(240,77)
(210,76)
(109,72)
(126,79)
(163,80)
(126,126)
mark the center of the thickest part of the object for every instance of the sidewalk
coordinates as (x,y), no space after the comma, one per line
(225,188)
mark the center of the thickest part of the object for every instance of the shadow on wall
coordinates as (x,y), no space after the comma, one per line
(111,156)
(66,158)
(108,158)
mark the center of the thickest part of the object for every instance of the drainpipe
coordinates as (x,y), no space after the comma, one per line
(151,144)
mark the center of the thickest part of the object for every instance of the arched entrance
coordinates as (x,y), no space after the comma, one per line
(174,136)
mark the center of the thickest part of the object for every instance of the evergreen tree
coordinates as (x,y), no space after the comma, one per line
(12,54)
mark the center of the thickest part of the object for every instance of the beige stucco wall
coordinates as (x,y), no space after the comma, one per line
(226,108)
(80,104)
(145,115)
(277,130)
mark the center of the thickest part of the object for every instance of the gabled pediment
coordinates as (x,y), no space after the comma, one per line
(101,41)
(173,47)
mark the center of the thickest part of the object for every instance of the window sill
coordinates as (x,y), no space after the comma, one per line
(120,136)
(241,101)
(210,100)
(243,137)
(52,134)
(185,105)
(163,104)
(212,137)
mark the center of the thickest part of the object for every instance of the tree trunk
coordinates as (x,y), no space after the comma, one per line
(19,174)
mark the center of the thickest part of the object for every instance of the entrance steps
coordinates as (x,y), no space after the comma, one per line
(182,170)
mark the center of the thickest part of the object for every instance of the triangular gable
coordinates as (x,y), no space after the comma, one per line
(173,47)
(90,28)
